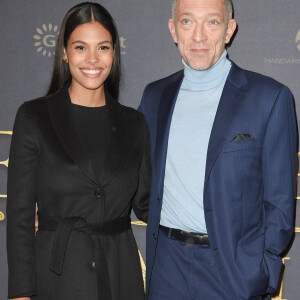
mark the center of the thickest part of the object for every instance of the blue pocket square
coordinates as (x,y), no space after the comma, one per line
(242,136)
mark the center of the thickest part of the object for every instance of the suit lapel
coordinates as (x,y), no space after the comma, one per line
(165,112)
(59,108)
(230,102)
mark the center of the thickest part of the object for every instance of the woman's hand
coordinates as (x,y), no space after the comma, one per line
(23,298)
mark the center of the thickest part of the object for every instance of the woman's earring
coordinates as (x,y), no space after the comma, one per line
(66,59)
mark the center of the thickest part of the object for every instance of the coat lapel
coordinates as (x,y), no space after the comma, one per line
(118,140)
(59,107)
(165,112)
(229,104)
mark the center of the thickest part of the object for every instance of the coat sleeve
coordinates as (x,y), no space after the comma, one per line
(279,158)
(141,199)
(21,199)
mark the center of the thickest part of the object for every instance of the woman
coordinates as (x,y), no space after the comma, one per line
(84,159)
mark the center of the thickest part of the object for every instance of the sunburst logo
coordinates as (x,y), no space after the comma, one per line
(298,40)
(45,39)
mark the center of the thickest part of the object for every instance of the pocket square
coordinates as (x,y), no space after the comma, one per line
(242,136)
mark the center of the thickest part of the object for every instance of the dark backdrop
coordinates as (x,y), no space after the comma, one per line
(267,41)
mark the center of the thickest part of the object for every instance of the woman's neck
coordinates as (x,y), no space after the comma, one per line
(85,97)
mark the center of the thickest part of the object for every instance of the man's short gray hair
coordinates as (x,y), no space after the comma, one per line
(228,3)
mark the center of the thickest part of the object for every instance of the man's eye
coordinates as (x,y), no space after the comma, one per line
(186,21)
(214,22)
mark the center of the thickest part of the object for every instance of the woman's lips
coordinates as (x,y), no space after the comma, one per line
(91,72)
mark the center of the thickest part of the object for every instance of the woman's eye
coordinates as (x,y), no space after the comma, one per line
(79,47)
(186,21)
(104,48)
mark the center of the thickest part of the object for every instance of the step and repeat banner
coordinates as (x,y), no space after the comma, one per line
(267,41)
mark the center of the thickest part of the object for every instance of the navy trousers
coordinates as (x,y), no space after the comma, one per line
(186,272)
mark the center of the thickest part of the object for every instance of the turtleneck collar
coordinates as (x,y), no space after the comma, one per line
(206,79)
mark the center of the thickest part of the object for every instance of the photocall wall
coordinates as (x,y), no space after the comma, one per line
(267,41)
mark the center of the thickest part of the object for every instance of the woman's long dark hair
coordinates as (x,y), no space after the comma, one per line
(82,13)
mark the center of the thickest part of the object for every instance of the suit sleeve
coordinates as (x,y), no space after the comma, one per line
(141,198)
(141,107)
(21,199)
(279,158)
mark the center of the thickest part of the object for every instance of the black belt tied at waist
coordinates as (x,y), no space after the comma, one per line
(63,230)
(186,237)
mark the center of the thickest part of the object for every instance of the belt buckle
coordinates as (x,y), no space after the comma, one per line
(189,238)
(184,232)
(193,238)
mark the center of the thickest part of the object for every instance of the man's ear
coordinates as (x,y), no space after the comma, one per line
(172,30)
(231,27)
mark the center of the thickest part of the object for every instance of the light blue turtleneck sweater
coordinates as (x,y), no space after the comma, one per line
(191,125)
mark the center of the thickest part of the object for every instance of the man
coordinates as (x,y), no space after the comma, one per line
(224,156)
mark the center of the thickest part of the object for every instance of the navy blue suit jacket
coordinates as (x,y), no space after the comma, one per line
(249,187)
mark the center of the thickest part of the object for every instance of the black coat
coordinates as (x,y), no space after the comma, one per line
(48,165)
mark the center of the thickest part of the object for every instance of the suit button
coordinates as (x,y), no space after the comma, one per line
(99,193)
(158,199)
(154,236)
(208,210)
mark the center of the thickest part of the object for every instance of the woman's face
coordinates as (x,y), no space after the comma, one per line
(90,53)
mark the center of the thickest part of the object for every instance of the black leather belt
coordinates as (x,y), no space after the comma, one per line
(185,236)
(63,230)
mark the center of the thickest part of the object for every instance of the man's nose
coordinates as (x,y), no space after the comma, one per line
(199,34)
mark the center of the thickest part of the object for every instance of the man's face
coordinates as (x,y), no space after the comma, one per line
(201,29)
